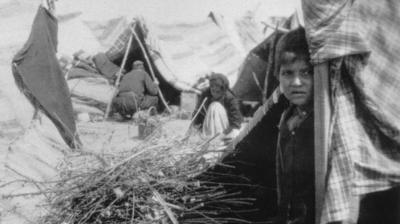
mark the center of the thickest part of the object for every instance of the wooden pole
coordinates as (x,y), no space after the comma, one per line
(119,76)
(151,69)
(322,119)
(275,27)
(49,5)
(257,82)
(198,111)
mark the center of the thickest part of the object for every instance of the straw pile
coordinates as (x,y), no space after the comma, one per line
(155,182)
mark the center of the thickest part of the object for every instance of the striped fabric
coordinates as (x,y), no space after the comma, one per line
(117,49)
(249,32)
(332,29)
(192,50)
(107,32)
(183,53)
(359,39)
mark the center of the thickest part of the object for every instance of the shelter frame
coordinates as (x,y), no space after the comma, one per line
(322,111)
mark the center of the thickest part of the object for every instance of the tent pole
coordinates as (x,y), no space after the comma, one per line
(151,69)
(119,77)
(322,113)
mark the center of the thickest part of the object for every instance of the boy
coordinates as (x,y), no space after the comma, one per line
(295,151)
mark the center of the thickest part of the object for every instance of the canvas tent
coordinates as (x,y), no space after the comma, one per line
(359,48)
(107,32)
(74,35)
(185,52)
(256,78)
(35,158)
(354,49)
(179,54)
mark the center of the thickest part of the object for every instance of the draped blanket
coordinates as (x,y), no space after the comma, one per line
(38,74)
(359,41)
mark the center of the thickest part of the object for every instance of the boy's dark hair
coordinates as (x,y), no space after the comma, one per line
(291,46)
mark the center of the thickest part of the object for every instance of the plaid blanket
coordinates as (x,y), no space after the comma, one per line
(359,40)
(118,48)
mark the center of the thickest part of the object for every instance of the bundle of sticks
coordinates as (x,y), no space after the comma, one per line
(155,182)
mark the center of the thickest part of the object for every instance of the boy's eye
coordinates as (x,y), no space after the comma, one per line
(286,73)
(306,73)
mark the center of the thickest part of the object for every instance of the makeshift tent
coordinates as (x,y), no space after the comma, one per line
(74,36)
(179,54)
(190,50)
(356,43)
(107,32)
(256,78)
(359,45)
(250,32)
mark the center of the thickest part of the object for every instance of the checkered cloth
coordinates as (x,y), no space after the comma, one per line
(359,40)
(332,29)
(117,50)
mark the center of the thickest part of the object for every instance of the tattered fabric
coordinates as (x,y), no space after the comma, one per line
(38,74)
(359,40)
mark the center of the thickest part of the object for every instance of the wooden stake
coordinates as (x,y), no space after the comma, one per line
(194,117)
(256,81)
(119,75)
(322,117)
(198,111)
(151,69)
(275,27)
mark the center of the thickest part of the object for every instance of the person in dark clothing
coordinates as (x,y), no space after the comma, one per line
(295,150)
(136,92)
(220,112)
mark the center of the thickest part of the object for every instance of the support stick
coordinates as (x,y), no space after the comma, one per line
(275,27)
(187,134)
(257,82)
(322,113)
(151,69)
(119,75)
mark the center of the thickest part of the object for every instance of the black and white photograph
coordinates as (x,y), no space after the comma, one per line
(199,112)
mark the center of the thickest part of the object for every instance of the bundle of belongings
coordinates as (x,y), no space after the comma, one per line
(91,89)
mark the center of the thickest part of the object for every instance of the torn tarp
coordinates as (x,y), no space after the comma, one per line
(38,75)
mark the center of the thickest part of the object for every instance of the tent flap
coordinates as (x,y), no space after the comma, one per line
(359,40)
(39,76)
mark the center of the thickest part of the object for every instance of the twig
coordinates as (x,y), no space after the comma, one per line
(6,196)
(165,206)
(28,178)
(257,82)
(275,27)
(133,208)
(198,111)
(195,116)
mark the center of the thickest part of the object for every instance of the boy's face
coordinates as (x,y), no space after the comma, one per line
(296,82)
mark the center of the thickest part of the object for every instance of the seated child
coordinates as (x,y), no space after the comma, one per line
(221,113)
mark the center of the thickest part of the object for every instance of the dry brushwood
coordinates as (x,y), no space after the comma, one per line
(152,183)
